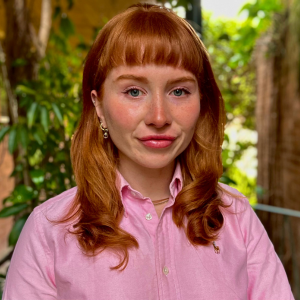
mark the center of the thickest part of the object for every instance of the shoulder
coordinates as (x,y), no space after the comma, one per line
(244,235)
(56,207)
(236,201)
(43,225)
(239,215)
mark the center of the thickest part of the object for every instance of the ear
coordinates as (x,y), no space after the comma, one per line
(98,106)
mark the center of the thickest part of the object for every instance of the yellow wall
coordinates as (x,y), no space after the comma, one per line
(85,14)
(2,19)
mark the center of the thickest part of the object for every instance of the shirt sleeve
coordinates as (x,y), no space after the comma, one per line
(266,276)
(29,276)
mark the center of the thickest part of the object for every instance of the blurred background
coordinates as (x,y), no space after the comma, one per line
(254,49)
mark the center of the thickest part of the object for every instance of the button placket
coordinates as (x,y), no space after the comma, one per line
(165,258)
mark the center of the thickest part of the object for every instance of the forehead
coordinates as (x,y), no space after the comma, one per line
(149,72)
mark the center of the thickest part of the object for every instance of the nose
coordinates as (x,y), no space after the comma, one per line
(159,114)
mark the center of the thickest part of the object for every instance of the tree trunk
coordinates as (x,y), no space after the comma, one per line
(278,126)
(23,51)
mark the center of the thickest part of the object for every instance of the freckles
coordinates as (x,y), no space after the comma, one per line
(120,114)
(189,115)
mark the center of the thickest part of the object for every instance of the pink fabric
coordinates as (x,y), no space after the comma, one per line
(47,264)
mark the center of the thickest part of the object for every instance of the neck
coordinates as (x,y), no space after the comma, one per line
(152,183)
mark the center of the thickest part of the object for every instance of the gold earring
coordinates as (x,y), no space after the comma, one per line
(217,248)
(105,131)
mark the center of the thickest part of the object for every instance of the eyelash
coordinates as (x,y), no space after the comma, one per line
(136,88)
(132,88)
(182,89)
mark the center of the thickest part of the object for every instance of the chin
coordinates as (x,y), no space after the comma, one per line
(155,164)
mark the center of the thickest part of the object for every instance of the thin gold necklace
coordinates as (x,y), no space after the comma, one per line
(161,201)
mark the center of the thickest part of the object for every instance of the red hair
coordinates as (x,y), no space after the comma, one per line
(146,34)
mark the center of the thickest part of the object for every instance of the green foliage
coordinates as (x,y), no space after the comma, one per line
(43,137)
(12,210)
(236,79)
(21,194)
(295,27)
(260,18)
(66,26)
(244,184)
(12,140)
(233,72)
(16,230)
(230,44)
(176,3)
(4,130)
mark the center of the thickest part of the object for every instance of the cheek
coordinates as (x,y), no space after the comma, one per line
(189,116)
(120,116)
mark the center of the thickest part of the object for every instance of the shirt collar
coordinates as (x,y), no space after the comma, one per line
(175,186)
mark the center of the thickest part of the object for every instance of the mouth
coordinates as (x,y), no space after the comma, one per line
(157,141)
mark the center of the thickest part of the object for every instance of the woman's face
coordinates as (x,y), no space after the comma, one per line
(150,111)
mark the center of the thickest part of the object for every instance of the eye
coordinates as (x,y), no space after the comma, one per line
(134,92)
(180,92)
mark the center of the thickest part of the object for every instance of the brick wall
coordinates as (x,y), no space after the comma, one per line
(6,186)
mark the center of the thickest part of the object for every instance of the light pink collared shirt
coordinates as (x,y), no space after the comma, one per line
(47,264)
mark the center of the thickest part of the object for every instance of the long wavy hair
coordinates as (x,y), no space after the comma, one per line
(146,34)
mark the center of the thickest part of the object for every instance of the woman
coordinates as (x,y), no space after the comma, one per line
(148,219)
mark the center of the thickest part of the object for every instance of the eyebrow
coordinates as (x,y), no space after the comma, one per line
(130,76)
(182,79)
(145,80)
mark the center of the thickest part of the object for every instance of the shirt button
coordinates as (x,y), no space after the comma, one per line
(148,217)
(166,270)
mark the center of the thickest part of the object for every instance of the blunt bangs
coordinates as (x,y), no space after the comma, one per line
(151,37)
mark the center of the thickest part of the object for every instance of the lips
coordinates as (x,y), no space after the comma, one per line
(157,141)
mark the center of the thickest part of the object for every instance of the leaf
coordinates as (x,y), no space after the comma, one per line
(37,138)
(18,169)
(226,137)
(224,36)
(57,112)
(31,114)
(19,62)
(82,46)
(4,131)
(12,140)
(23,136)
(66,26)
(12,210)
(70,4)
(225,179)
(61,156)
(39,134)
(7,199)
(57,12)
(24,89)
(16,230)
(45,118)
(184,3)
(37,157)
(22,193)
(37,176)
